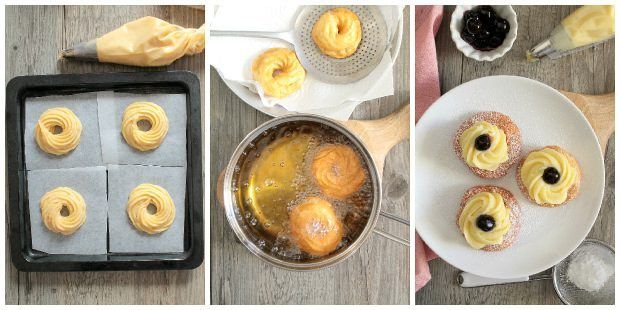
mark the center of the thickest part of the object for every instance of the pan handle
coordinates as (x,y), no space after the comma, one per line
(395,218)
(380,135)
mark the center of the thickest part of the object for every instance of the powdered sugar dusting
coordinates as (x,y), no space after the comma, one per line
(316,228)
(513,139)
(509,201)
(547,235)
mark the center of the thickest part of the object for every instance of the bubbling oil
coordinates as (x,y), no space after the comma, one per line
(273,176)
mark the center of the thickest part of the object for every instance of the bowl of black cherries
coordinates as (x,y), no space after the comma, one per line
(483,32)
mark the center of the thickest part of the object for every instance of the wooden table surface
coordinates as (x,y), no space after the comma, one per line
(34,37)
(588,72)
(377,274)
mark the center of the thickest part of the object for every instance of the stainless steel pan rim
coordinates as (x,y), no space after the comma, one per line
(231,208)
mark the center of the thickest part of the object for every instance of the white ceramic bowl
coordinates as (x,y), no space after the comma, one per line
(456,25)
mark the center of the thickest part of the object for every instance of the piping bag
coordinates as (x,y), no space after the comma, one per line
(145,42)
(587,26)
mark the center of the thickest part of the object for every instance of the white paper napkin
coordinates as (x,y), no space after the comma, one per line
(232,57)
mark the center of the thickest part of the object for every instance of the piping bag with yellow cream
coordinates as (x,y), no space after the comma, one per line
(585,27)
(146,42)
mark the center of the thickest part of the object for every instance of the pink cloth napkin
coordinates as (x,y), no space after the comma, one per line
(427,21)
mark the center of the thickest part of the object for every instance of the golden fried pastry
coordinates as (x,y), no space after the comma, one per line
(550,176)
(489,143)
(63,210)
(143,196)
(337,33)
(315,226)
(489,218)
(278,72)
(58,131)
(151,114)
(338,170)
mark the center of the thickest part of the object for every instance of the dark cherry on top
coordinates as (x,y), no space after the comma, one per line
(485,222)
(551,175)
(483,142)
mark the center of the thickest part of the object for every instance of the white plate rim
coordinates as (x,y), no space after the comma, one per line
(601,164)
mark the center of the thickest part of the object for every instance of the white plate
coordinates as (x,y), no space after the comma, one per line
(254,101)
(545,117)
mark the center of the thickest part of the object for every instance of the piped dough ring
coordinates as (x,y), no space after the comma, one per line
(315,227)
(51,205)
(151,113)
(338,171)
(58,143)
(337,33)
(149,194)
(278,72)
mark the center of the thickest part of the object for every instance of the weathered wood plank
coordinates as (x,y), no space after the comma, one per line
(49,29)
(20,60)
(589,72)
(377,274)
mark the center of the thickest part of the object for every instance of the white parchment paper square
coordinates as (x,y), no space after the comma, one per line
(91,237)
(115,150)
(86,154)
(124,237)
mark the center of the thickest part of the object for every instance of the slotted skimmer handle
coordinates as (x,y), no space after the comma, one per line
(284,36)
(381,135)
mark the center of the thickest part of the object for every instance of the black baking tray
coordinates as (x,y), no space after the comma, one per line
(24,258)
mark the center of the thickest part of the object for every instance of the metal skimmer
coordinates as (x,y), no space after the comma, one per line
(325,68)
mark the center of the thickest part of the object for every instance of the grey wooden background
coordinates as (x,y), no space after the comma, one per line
(588,72)
(34,37)
(377,274)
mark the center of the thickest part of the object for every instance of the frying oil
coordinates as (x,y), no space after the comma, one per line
(274,176)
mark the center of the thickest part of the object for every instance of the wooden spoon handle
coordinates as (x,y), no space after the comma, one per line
(599,110)
(381,135)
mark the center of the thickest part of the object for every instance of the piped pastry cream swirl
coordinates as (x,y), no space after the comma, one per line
(137,208)
(58,131)
(484,203)
(532,172)
(337,33)
(489,159)
(52,204)
(154,115)
(278,72)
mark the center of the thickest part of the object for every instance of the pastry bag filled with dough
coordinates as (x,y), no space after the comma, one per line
(146,42)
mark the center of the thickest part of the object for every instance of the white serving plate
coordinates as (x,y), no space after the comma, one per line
(253,99)
(545,117)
